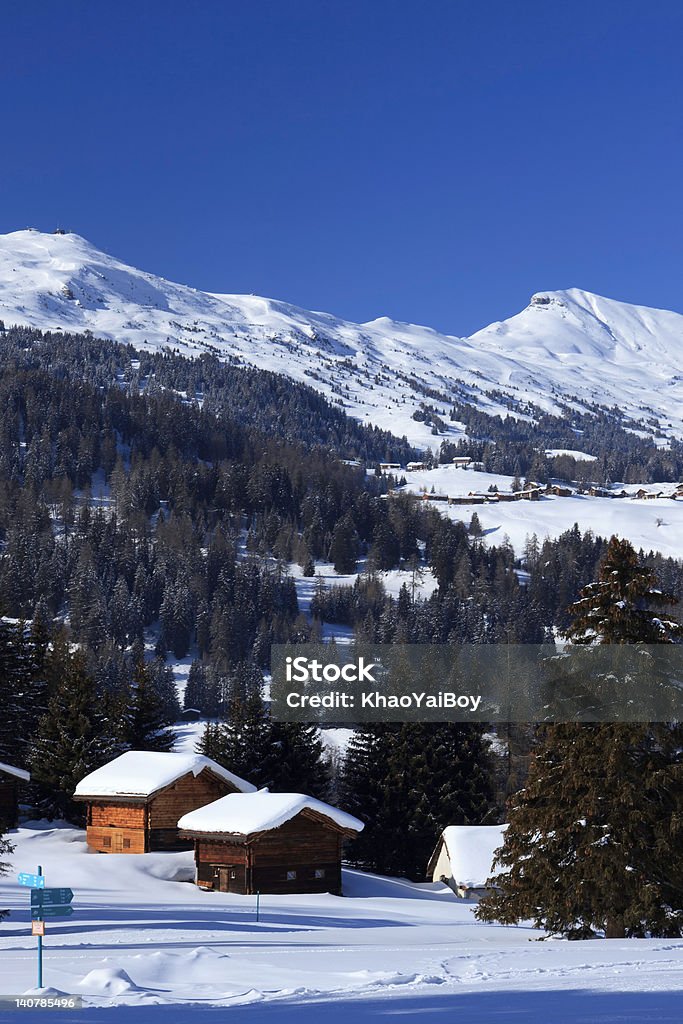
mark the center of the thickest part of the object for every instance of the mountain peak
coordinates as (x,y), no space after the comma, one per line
(566,347)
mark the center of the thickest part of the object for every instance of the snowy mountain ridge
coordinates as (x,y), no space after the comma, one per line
(566,347)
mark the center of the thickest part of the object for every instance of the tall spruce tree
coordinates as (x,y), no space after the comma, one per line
(282,756)
(73,738)
(594,839)
(407,783)
(23,689)
(365,790)
(144,720)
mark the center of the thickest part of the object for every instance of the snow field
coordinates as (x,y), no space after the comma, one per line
(143,939)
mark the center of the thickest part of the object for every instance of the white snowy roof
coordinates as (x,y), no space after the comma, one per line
(19,773)
(470,850)
(247,813)
(144,772)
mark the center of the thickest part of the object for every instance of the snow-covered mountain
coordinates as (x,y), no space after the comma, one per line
(566,346)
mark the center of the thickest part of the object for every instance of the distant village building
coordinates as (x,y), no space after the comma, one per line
(386,467)
(559,490)
(466,499)
(462,461)
(413,466)
(435,497)
(463,858)
(269,842)
(642,493)
(135,801)
(10,782)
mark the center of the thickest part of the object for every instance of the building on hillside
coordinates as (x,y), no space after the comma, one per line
(462,461)
(412,466)
(134,802)
(10,782)
(463,858)
(387,467)
(269,842)
(559,490)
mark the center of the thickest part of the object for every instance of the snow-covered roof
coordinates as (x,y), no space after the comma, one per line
(19,773)
(470,850)
(247,813)
(144,772)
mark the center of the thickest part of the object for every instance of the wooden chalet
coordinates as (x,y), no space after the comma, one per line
(269,842)
(134,802)
(11,779)
(559,490)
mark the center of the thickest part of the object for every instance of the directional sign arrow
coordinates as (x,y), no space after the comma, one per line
(38,913)
(35,881)
(50,897)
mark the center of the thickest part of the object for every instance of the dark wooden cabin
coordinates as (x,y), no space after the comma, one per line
(134,802)
(10,782)
(270,843)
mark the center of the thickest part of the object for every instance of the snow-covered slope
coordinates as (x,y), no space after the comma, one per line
(564,345)
(143,942)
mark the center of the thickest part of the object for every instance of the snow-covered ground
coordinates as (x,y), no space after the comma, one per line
(144,942)
(653,524)
(565,347)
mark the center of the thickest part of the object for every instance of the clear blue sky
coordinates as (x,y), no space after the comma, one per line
(434,161)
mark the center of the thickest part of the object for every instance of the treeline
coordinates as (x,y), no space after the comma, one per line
(234,394)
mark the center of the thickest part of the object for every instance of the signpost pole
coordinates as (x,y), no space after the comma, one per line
(40,948)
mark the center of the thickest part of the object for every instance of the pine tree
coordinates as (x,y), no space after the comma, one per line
(23,688)
(196,689)
(73,737)
(282,756)
(243,741)
(144,722)
(344,546)
(407,783)
(302,766)
(619,607)
(364,788)
(594,839)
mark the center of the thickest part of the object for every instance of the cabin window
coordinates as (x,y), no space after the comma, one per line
(126,844)
(106,841)
(233,874)
(319,872)
(291,876)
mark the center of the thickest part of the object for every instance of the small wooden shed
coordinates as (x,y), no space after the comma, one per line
(463,858)
(10,781)
(270,843)
(135,801)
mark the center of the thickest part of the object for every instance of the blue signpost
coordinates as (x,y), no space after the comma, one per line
(35,881)
(45,903)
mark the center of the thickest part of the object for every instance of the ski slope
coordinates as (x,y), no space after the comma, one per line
(144,943)
(564,347)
